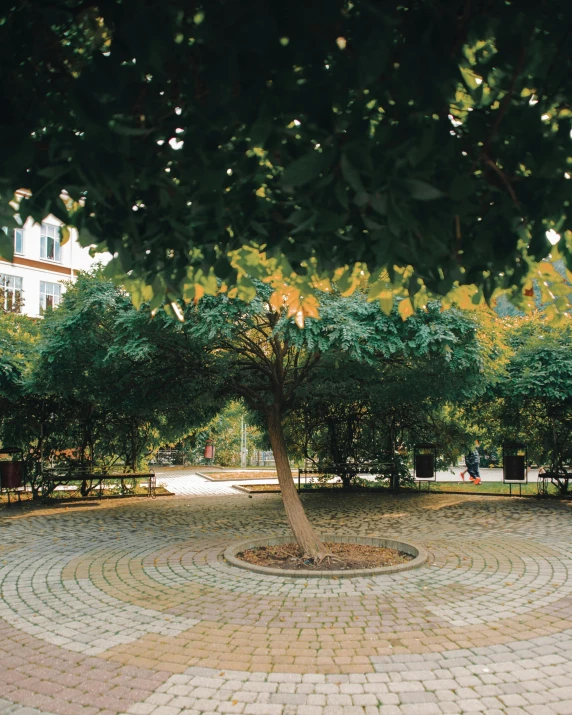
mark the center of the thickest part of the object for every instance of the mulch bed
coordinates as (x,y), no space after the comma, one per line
(347,556)
(235,476)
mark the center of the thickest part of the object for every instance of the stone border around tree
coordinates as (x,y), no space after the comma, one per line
(418,552)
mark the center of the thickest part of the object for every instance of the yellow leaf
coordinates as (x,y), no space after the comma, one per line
(405,309)
(64,235)
(199,291)
(470,77)
(277,300)
(545,268)
(463,296)
(310,306)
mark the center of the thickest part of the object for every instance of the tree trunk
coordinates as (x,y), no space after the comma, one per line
(312,547)
(556,456)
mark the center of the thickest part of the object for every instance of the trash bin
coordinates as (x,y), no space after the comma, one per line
(514,463)
(424,461)
(11,470)
(209,449)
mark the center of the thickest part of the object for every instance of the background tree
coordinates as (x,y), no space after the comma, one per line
(24,412)
(225,430)
(425,138)
(537,393)
(105,383)
(363,412)
(18,341)
(135,379)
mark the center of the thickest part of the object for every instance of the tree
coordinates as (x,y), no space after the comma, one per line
(105,382)
(18,341)
(267,359)
(427,140)
(136,379)
(22,414)
(537,393)
(225,430)
(363,412)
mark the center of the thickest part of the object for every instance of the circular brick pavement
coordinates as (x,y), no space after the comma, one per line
(129,608)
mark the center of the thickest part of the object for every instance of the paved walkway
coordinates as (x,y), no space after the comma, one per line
(127,607)
(186,482)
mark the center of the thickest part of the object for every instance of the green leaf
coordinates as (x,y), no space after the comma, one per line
(370,224)
(246,288)
(259,228)
(308,223)
(342,194)
(261,130)
(223,268)
(386,302)
(86,238)
(361,198)
(351,175)
(422,191)
(307,167)
(379,203)
(127,131)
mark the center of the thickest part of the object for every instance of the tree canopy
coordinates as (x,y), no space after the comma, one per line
(426,141)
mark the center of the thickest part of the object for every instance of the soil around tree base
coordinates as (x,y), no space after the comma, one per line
(345,557)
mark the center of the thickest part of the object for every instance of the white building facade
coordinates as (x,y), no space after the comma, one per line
(35,280)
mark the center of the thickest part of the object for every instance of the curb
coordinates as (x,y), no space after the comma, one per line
(418,552)
(246,490)
(236,478)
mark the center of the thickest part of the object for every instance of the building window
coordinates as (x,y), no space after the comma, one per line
(10,293)
(50,294)
(18,241)
(50,243)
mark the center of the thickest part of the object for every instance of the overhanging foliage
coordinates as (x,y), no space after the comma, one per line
(428,141)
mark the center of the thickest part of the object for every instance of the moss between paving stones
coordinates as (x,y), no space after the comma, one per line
(418,552)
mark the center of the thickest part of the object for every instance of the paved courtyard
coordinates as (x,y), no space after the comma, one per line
(127,607)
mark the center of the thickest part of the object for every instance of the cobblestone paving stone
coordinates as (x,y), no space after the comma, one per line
(128,608)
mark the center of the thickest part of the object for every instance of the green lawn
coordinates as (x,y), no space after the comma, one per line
(485,488)
(459,487)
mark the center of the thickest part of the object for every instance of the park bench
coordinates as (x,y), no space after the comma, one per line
(59,476)
(309,475)
(560,478)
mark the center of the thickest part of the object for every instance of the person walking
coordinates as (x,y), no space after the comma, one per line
(472,462)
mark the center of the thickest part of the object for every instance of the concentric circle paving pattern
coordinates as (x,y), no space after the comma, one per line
(130,608)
